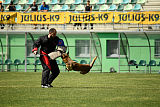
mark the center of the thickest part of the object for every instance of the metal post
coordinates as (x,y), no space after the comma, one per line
(119,50)
(2,55)
(25,51)
(149,44)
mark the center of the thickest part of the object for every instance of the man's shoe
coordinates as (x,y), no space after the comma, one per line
(44,86)
(50,86)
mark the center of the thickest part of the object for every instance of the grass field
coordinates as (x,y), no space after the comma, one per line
(20,89)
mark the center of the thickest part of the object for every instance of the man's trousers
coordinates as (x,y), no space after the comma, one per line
(48,65)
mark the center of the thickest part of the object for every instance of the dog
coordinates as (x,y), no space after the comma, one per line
(72,65)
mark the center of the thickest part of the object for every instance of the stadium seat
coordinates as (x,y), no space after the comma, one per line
(117,1)
(6,2)
(18,8)
(56,8)
(69,2)
(95,8)
(84,2)
(39,2)
(47,1)
(152,63)
(80,8)
(1,63)
(112,8)
(125,1)
(72,8)
(30,2)
(54,2)
(37,62)
(120,8)
(77,2)
(16,63)
(24,7)
(39,7)
(93,2)
(64,8)
(101,2)
(128,7)
(109,2)
(22,2)
(15,1)
(137,7)
(61,2)
(8,62)
(75,60)
(133,2)
(132,63)
(27,62)
(83,62)
(158,64)
(58,62)
(142,63)
(103,7)
(141,1)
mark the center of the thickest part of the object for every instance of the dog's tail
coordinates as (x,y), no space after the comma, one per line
(91,64)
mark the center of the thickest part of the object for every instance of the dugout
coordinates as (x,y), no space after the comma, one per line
(139,52)
(114,50)
(18,46)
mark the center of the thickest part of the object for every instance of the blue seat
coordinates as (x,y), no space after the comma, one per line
(27,62)
(16,63)
(64,8)
(77,2)
(7,2)
(54,2)
(30,2)
(101,2)
(137,7)
(1,63)
(112,8)
(83,62)
(120,8)
(133,2)
(158,64)
(37,62)
(152,63)
(8,62)
(84,2)
(58,62)
(132,63)
(125,1)
(142,63)
(95,8)
(109,2)
(72,8)
(18,8)
(38,2)
(61,2)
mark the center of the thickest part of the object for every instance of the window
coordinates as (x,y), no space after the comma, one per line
(157,48)
(82,48)
(113,48)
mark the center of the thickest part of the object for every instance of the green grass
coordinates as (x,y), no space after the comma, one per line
(20,89)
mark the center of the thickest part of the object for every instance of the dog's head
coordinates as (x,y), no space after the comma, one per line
(65,57)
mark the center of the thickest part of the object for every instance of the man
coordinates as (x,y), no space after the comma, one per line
(34,8)
(44,8)
(48,44)
(11,8)
(88,8)
(1,10)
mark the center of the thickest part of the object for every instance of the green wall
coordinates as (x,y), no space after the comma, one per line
(138,50)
